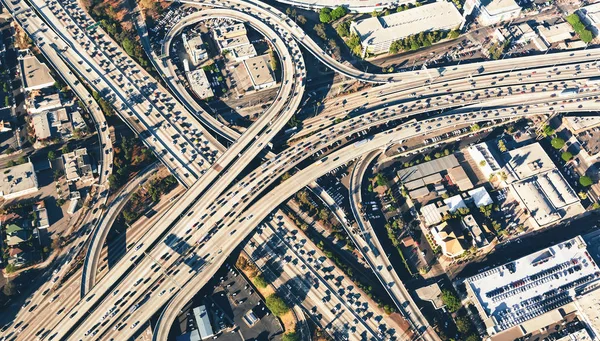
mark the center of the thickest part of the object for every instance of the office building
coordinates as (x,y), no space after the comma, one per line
(260,72)
(377,33)
(229,32)
(200,84)
(203,322)
(195,48)
(492,12)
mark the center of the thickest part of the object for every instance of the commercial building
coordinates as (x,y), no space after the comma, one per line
(493,11)
(231,43)
(17,181)
(520,33)
(52,123)
(422,170)
(459,178)
(556,33)
(377,33)
(260,72)
(528,294)
(203,322)
(479,238)
(77,165)
(41,126)
(200,84)
(195,48)
(241,53)
(229,32)
(540,187)
(35,74)
(590,15)
(480,197)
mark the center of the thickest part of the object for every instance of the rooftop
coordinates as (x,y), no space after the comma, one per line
(556,33)
(230,31)
(495,7)
(234,42)
(46,102)
(454,203)
(432,214)
(41,125)
(580,123)
(36,75)
(424,169)
(17,179)
(77,165)
(528,287)
(430,17)
(592,12)
(529,160)
(460,178)
(203,322)
(200,84)
(480,197)
(243,51)
(259,71)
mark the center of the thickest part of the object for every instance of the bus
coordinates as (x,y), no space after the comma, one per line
(569,92)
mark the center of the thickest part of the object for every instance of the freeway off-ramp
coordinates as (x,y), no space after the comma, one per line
(224,215)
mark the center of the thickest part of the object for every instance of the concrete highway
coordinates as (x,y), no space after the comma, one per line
(367,242)
(222,210)
(414,130)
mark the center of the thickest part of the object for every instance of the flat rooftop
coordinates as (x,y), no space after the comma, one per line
(35,74)
(427,168)
(580,123)
(556,33)
(17,179)
(200,84)
(495,7)
(244,51)
(592,12)
(531,286)
(441,15)
(529,160)
(234,42)
(259,70)
(231,31)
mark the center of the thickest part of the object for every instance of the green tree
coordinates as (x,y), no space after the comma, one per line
(473,337)
(475,127)
(51,155)
(585,181)
(453,34)
(301,19)
(325,15)
(320,30)
(338,12)
(566,156)
(276,305)
(128,46)
(343,29)
(557,143)
(65,149)
(463,324)
(450,300)
(6,101)
(260,282)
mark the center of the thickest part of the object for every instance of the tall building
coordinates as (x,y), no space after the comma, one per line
(195,48)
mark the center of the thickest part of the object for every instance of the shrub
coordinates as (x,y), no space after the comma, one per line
(260,282)
(585,181)
(276,305)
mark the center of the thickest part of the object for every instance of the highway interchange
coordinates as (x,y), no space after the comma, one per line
(223,204)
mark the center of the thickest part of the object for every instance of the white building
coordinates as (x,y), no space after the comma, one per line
(34,73)
(353,6)
(199,83)
(229,32)
(195,48)
(244,52)
(556,33)
(494,11)
(18,181)
(377,33)
(590,15)
(77,165)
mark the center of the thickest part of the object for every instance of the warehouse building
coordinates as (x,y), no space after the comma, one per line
(377,33)
(533,292)
(35,74)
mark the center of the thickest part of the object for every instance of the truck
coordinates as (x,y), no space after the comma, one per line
(569,92)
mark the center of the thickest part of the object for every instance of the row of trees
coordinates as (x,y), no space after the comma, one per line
(416,41)
(327,15)
(579,28)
